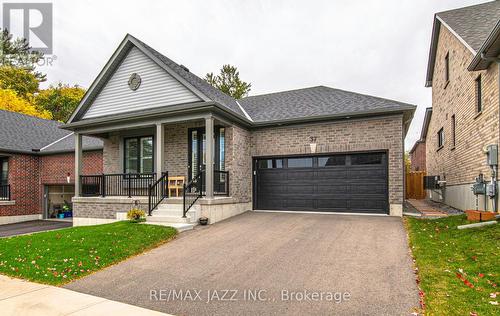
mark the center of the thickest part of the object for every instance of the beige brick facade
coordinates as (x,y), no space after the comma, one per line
(459,163)
(377,133)
(382,133)
(111,154)
(239,163)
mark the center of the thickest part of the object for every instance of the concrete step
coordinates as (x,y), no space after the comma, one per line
(174,211)
(179,226)
(169,219)
(173,200)
(163,212)
(169,207)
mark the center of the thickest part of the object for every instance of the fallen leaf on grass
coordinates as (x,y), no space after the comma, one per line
(463,279)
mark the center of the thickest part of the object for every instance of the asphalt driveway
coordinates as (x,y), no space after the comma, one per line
(28,227)
(271,263)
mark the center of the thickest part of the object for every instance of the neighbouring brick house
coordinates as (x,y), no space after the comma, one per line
(36,159)
(315,149)
(419,151)
(463,71)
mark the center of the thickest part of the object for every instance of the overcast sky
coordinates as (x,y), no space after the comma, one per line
(372,47)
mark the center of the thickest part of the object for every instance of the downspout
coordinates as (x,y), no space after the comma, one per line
(495,171)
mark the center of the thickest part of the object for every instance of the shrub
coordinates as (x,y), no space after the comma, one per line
(136,215)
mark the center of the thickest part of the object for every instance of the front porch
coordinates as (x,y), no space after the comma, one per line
(143,162)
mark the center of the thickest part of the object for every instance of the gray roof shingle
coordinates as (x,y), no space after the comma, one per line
(68,144)
(204,87)
(473,24)
(23,133)
(315,101)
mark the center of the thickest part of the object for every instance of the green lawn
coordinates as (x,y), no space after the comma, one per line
(458,269)
(58,257)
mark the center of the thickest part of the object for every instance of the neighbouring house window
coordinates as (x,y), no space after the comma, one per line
(447,67)
(479,98)
(4,170)
(453,131)
(440,138)
(139,155)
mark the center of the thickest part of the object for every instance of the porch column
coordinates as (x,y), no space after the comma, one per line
(78,162)
(159,149)
(209,168)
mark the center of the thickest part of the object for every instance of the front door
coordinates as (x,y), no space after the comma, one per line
(197,150)
(197,146)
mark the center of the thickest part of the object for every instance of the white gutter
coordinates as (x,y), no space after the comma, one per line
(56,141)
(243,110)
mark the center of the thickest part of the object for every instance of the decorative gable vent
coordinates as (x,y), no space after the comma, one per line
(139,83)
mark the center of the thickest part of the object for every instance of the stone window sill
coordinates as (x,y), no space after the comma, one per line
(478,114)
(446,84)
(7,203)
(439,148)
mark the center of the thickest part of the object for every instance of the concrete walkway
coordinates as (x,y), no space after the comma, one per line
(426,209)
(230,263)
(28,227)
(19,298)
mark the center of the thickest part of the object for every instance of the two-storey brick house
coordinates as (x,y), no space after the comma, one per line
(463,71)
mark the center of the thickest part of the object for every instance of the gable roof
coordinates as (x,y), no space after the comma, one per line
(316,102)
(490,50)
(288,106)
(207,89)
(28,134)
(471,25)
(197,85)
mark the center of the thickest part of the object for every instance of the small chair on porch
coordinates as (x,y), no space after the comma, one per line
(175,186)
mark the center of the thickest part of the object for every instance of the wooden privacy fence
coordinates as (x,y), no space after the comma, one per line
(415,185)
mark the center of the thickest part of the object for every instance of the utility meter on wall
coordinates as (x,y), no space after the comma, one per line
(492,155)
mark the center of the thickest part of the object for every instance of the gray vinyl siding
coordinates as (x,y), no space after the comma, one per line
(158,88)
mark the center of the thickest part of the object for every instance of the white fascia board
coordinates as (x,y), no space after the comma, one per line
(457,36)
(56,141)
(244,112)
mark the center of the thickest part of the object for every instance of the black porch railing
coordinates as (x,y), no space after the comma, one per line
(5,192)
(191,192)
(195,188)
(157,192)
(120,184)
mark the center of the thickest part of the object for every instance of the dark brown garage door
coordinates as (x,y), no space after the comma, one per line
(333,183)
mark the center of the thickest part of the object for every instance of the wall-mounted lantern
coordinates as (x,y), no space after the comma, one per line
(313,144)
(68,178)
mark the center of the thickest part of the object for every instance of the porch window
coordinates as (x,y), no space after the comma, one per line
(4,170)
(139,155)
